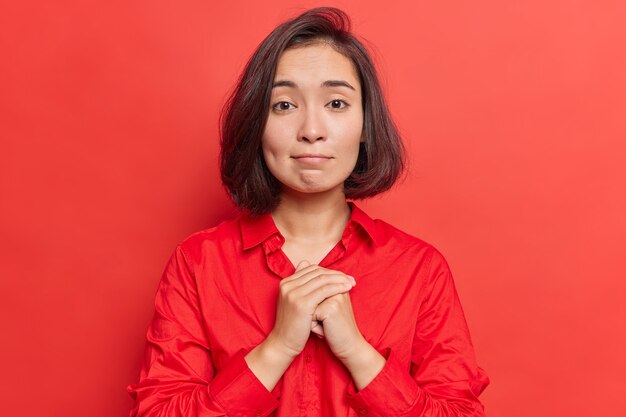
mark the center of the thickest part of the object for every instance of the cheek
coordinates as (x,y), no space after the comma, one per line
(268,147)
(274,152)
(270,157)
(272,140)
(352,134)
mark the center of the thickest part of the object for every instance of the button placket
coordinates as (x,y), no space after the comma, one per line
(309,389)
(276,260)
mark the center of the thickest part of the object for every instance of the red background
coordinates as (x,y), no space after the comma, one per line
(514,116)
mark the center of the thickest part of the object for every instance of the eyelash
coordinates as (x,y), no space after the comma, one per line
(274,107)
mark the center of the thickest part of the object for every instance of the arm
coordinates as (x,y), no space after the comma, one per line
(444,379)
(177,376)
(268,363)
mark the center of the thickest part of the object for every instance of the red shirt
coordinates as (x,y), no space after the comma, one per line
(217,300)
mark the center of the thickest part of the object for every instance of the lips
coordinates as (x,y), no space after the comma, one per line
(311,156)
(311,160)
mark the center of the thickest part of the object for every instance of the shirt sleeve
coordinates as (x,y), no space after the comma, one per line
(177,376)
(444,378)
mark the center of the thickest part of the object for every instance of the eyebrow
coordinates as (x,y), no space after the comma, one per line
(327,83)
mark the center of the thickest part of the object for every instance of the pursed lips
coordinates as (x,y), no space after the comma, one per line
(311,156)
(312,160)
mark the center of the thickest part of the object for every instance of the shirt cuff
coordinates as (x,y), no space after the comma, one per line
(237,389)
(392,392)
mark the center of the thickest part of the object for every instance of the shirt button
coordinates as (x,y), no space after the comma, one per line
(362,411)
(308,358)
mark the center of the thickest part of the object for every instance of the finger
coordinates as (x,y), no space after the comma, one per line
(317,328)
(315,274)
(325,291)
(318,331)
(303,264)
(316,282)
(300,272)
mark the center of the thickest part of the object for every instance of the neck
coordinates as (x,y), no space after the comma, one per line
(309,218)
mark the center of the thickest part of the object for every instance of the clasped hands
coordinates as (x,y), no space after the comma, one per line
(316,299)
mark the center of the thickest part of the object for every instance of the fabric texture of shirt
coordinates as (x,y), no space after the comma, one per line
(217,300)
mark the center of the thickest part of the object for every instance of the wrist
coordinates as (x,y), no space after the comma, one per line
(364,364)
(276,351)
(356,354)
(267,363)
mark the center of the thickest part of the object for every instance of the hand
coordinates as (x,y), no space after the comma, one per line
(299,296)
(338,326)
(346,341)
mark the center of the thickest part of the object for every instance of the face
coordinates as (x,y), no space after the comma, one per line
(312,135)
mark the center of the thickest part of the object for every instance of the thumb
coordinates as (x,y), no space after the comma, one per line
(303,264)
(317,328)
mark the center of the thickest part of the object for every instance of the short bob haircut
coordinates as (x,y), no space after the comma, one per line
(244,173)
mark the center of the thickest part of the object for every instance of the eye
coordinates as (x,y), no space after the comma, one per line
(282,106)
(338,104)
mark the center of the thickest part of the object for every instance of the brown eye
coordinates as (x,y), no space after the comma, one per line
(282,106)
(338,104)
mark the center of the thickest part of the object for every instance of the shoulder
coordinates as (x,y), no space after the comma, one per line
(393,238)
(414,253)
(197,244)
(391,235)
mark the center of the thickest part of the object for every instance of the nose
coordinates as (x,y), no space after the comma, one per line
(313,127)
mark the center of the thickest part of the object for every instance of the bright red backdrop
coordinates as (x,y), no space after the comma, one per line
(514,116)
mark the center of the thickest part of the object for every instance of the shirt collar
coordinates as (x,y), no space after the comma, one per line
(256,229)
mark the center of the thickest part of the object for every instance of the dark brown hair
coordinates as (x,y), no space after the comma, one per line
(242,121)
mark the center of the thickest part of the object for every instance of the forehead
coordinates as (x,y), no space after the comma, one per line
(314,63)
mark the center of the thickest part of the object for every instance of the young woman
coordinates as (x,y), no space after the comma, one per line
(303,305)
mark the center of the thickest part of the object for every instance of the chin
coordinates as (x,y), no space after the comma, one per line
(314,189)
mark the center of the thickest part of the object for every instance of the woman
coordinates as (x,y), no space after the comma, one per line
(305,130)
